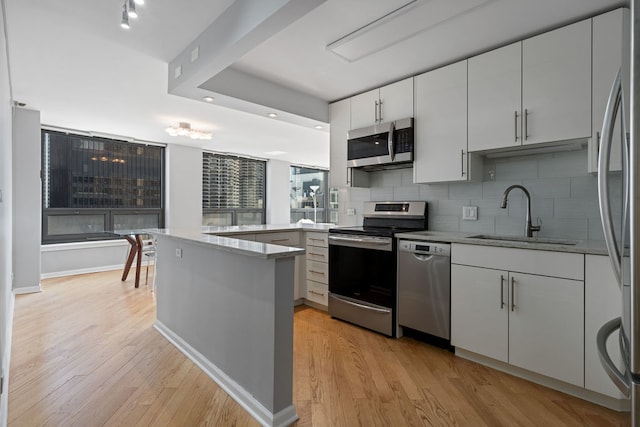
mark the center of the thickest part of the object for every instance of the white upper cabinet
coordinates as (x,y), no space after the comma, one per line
(341,176)
(556,84)
(340,122)
(441,125)
(495,81)
(534,91)
(610,34)
(391,102)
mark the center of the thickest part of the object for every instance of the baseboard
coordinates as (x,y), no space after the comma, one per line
(27,290)
(265,417)
(620,405)
(4,397)
(88,270)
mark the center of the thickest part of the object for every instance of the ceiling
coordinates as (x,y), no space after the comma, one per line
(71,61)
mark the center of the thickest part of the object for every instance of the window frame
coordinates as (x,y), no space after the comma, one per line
(239,210)
(107,213)
(327,209)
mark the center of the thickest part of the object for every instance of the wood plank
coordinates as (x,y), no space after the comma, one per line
(85,353)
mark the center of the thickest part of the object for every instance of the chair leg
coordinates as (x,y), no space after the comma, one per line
(155,267)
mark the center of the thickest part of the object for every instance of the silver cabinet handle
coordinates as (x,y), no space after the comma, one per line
(375,111)
(462,162)
(317,293)
(501,292)
(278,240)
(316,254)
(513,296)
(526,124)
(316,272)
(515,131)
(380,111)
(390,143)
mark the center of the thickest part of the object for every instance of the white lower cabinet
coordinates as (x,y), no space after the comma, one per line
(317,268)
(603,302)
(499,309)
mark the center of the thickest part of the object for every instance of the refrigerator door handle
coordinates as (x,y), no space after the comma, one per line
(613,103)
(621,380)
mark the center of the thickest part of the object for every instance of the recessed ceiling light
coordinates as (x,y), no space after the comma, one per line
(273,115)
(208,98)
(318,126)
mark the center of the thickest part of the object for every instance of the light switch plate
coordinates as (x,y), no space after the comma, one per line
(351,212)
(179,252)
(470,213)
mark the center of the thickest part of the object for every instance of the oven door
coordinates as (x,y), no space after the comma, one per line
(362,281)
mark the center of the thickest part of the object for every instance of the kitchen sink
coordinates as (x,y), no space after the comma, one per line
(525,239)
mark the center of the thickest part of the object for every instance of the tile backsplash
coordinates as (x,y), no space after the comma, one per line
(564,197)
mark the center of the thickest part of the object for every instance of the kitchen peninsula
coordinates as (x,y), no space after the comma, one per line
(227,303)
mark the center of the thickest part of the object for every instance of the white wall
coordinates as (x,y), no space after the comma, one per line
(278,187)
(66,259)
(6,212)
(27,200)
(183,187)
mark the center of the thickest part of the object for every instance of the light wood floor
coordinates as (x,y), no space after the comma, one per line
(85,353)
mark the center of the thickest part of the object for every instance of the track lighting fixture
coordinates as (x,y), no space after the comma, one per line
(125,17)
(129,11)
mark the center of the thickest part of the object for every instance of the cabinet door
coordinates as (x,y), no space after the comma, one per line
(441,125)
(341,176)
(479,320)
(397,101)
(556,84)
(609,31)
(495,99)
(603,302)
(546,326)
(339,119)
(364,109)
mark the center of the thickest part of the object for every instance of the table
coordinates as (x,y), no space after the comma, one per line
(135,251)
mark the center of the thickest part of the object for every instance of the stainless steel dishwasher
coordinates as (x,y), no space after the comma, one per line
(424,287)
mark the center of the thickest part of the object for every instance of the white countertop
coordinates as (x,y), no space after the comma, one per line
(262,228)
(222,238)
(592,247)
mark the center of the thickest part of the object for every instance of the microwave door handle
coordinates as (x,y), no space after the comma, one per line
(392,152)
(603,171)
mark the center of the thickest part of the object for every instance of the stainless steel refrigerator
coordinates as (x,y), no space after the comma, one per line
(621,218)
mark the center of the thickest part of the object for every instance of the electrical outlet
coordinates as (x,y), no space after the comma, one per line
(179,252)
(351,212)
(470,213)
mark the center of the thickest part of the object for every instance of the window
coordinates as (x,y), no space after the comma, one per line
(233,190)
(309,187)
(91,186)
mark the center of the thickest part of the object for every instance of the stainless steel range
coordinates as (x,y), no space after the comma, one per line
(363,261)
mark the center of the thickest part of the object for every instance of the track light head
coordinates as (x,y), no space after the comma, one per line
(132,10)
(125,18)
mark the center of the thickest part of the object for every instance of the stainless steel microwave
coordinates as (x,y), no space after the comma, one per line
(381,145)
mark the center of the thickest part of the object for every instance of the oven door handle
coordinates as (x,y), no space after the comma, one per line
(360,240)
(368,307)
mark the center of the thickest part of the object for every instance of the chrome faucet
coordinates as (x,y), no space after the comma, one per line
(528,229)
